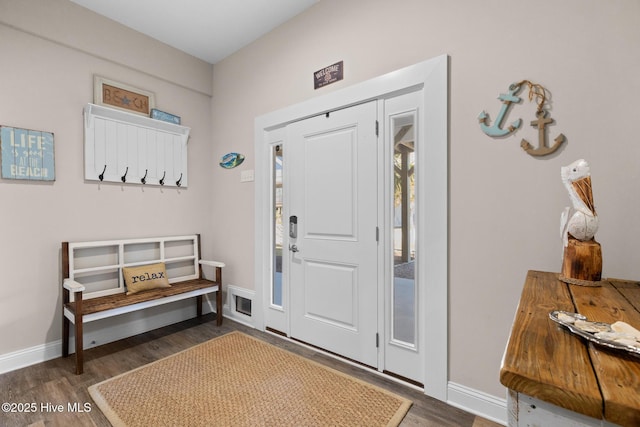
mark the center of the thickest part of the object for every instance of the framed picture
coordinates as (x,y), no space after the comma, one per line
(119,95)
(27,154)
(164,116)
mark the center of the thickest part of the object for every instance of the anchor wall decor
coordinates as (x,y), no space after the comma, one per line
(511,97)
(495,129)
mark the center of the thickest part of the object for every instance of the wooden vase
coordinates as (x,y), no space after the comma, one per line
(582,261)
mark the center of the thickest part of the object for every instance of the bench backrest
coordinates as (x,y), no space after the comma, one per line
(98,265)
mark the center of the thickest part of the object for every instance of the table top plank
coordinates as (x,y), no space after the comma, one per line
(630,290)
(618,372)
(544,360)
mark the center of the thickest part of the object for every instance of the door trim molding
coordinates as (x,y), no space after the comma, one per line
(431,77)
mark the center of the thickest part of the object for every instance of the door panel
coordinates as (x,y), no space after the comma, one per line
(330,176)
(331,294)
(333,267)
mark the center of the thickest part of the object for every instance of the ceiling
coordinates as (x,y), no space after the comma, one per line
(207,29)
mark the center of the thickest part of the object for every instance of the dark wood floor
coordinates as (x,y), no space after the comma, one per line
(54,382)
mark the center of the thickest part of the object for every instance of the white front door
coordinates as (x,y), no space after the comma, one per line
(333,258)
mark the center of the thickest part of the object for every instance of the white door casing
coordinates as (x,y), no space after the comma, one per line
(431,79)
(333,260)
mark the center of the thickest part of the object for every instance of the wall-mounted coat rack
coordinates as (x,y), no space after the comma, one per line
(132,149)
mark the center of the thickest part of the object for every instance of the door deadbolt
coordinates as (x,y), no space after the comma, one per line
(293,226)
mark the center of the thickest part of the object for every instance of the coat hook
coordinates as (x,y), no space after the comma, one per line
(162,179)
(144,178)
(101,176)
(124,177)
(179,182)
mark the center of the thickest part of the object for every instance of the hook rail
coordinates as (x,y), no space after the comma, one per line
(144,180)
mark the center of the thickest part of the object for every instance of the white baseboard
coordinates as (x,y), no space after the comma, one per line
(105,331)
(477,402)
(30,356)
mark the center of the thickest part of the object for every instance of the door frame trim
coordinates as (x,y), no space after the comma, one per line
(431,77)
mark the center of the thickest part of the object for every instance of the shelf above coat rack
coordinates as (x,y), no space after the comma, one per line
(131,149)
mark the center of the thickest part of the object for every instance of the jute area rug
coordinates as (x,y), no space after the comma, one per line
(238,380)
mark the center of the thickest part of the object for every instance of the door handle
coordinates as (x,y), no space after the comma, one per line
(293,248)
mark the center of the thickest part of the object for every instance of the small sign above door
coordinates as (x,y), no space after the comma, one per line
(328,75)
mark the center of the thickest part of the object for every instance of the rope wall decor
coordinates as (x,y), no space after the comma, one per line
(535,90)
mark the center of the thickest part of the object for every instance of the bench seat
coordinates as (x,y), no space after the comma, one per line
(121,301)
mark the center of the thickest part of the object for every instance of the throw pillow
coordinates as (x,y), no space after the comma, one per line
(145,277)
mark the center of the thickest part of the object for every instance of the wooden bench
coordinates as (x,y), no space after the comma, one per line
(94,286)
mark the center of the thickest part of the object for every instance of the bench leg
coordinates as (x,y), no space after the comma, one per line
(79,348)
(199,305)
(79,335)
(219,306)
(65,336)
(219,297)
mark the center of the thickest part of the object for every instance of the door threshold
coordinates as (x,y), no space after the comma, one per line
(334,355)
(415,385)
(404,379)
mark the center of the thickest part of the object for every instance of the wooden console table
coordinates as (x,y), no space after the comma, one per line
(545,363)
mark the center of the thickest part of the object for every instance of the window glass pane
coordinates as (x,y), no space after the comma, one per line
(276,290)
(404,232)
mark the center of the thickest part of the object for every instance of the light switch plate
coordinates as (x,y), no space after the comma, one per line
(246,176)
